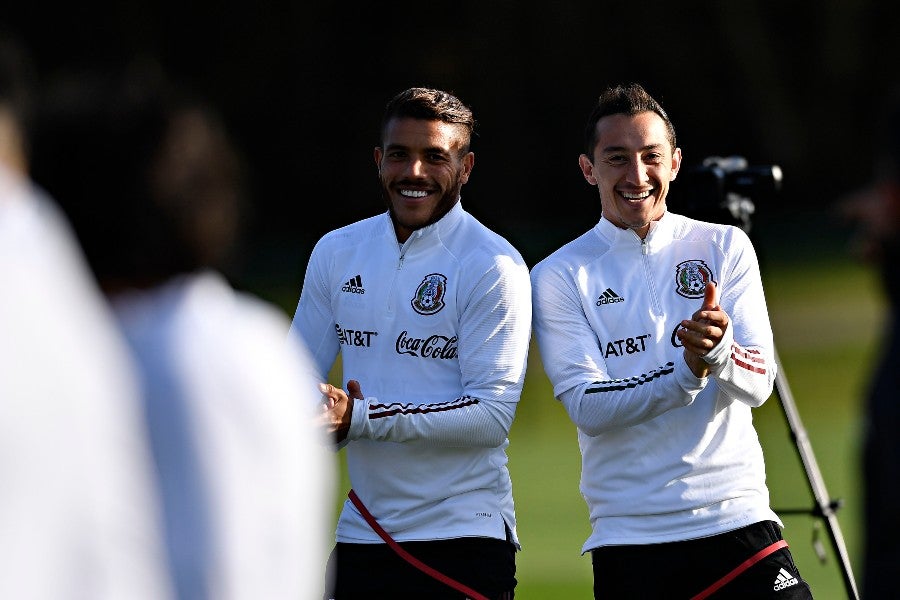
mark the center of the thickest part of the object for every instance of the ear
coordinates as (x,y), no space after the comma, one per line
(676,163)
(468,162)
(378,154)
(587,169)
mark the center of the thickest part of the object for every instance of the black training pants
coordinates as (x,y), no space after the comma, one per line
(680,570)
(368,571)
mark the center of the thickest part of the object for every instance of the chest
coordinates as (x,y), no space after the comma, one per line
(406,306)
(636,302)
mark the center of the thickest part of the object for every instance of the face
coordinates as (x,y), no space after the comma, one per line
(421,171)
(632,166)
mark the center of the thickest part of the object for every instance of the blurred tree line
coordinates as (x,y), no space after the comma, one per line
(302,86)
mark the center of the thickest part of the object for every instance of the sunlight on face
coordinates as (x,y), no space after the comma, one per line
(632,166)
(422,169)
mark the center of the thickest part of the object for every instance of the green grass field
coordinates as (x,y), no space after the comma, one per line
(826,319)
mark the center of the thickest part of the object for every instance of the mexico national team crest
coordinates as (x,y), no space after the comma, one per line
(429,297)
(691,277)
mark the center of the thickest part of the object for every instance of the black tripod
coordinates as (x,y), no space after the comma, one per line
(825,508)
(720,191)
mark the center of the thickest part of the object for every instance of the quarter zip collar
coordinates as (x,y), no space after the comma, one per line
(616,235)
(435,231)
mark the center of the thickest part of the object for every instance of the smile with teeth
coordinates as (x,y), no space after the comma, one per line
(636,195)
(413,193)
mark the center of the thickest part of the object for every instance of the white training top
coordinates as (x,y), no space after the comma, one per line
(78,516)
(437,333)
(245,476)
(665,455)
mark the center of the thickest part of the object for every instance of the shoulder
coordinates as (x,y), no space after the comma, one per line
(476,243)
(720,234)
(356,232)
(250,317)
(200,312)
(571,256)
(363,237)
(686,226)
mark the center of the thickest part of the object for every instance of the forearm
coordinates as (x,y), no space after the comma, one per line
(602,406)
(461,422)
(747,374)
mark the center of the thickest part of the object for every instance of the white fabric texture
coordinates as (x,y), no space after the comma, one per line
(230,406)
(665,455)
(437,333)
(78,512)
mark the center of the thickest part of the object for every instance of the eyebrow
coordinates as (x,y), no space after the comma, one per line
(428,150)
(607,149)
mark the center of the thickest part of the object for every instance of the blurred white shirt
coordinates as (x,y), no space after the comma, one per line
(78,513)
(245,476)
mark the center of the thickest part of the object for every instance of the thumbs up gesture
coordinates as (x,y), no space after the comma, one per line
(703,331)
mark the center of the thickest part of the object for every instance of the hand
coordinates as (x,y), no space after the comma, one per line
(703,332)
(337,408)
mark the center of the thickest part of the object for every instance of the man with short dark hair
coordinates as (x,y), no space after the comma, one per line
(430,312)
(78,514)
(653,330)
(153,181)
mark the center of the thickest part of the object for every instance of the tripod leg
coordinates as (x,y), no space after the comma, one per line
(824,508)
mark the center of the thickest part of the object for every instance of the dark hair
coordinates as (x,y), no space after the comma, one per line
(628,99)
(149,177)
(429,104)
(18,79)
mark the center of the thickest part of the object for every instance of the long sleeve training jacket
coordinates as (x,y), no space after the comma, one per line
(436,331)
(665,455)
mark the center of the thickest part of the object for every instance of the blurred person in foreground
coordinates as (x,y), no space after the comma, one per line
(875,210)
(431,314)
(154,187)
(653,330)
(78,516)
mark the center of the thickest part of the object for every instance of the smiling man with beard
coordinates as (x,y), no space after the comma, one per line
(430,313)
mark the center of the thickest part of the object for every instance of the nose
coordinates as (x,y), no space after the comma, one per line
(416,167)
(637,172)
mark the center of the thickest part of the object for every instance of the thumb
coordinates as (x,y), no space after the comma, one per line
(353,389)
(709,297)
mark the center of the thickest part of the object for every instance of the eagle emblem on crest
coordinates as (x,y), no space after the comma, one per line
(429,296)
(691,277)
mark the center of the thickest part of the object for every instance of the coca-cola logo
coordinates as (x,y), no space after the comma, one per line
(434,346)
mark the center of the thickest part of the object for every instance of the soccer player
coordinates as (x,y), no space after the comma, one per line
(154,184)
(78,516)
(653,330)
(431,314)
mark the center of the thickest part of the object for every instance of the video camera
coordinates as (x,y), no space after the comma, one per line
(722,190)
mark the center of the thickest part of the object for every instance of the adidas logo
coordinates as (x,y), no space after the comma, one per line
(609,297)
(784,580)
(354,286)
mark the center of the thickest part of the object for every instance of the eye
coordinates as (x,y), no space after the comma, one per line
(653,158)
(616,159)
(436,157)
(396,154)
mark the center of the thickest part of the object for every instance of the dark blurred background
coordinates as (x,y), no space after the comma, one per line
(302,86)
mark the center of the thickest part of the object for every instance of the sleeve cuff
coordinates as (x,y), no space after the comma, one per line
(359,420)
(718,355)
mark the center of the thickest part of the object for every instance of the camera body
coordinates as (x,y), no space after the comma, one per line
(722,190)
